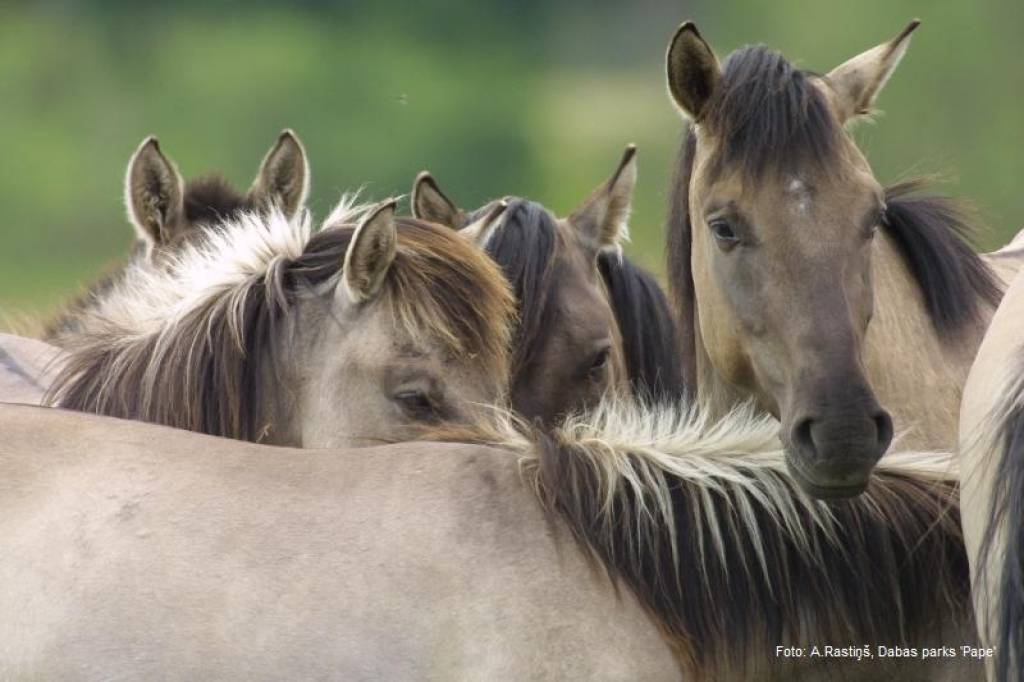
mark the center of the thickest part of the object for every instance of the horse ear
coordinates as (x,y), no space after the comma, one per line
(431,204)
(371,253)
(693,70)
(480,231)
(154,193)
(283,178)
(604,217)
(857,82)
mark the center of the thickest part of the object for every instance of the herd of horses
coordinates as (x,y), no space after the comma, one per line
(483,444)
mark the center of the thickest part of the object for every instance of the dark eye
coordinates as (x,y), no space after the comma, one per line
(599,363)
(724,234)
(417,405)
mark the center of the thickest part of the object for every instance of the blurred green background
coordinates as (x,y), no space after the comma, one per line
(530,98)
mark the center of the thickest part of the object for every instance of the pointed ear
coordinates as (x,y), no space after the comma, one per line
(154,193)
(604,217)
(283,178)
(480,230)
(693,71)
(431,204)
(371,253)
(857,82)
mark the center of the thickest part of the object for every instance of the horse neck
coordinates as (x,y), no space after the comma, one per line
(916,375)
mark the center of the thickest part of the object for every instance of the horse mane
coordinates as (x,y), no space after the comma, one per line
(649,337)
(1005,522)
(524,246)
(194,346)
(702,521)
(931,233)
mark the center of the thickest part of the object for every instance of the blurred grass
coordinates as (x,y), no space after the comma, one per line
(536,99)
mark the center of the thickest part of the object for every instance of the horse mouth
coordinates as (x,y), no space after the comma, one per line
(824,491)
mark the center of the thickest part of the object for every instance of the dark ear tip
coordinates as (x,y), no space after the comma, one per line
(424,176)
(629,154)
(911,27)
(150,141)
(687,27)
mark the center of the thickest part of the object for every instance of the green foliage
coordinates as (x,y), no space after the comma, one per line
(536,99)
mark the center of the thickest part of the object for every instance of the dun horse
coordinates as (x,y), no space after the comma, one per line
(134,550)
(264,331)
(803,282)
(168,212)
(590,321)
(992,465)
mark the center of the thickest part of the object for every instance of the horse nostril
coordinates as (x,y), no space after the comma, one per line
(801,436)
(883,431)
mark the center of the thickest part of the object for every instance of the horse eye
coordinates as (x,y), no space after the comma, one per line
(599,362)
(724,234)
(417,405)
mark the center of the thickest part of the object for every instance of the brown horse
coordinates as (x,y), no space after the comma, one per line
(992,466)
(130,550)
(805,284)
(589,320)
(265,331)
(168,212)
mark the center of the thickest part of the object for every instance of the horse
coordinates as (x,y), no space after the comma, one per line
(802,282)
(589,320)
(266,331)
(992,465)
(630,545)
(167,212)
(27,367)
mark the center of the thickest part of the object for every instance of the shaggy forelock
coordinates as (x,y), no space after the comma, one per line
(765,114)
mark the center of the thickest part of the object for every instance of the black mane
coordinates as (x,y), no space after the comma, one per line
(931,234)
(649,339)
(524,247)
